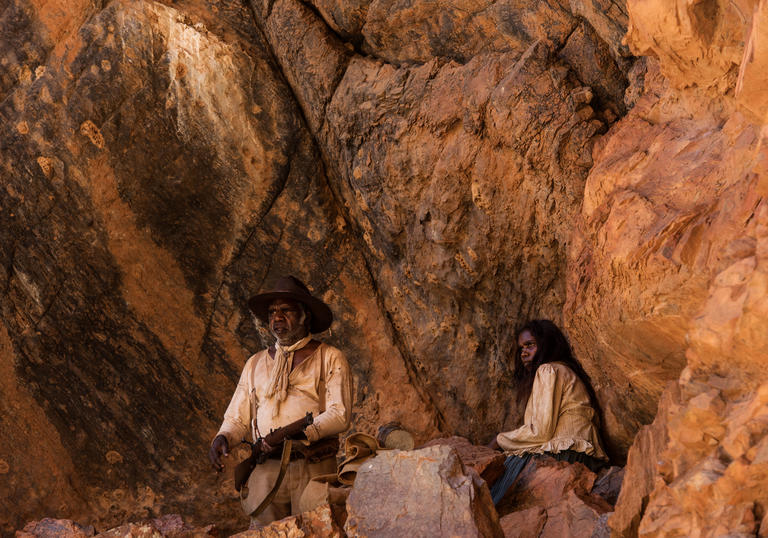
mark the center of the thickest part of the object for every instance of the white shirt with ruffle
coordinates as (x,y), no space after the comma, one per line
(558,416)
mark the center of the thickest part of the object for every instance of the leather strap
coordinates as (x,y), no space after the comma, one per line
(285,459)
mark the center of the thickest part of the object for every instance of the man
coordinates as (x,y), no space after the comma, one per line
(278,386)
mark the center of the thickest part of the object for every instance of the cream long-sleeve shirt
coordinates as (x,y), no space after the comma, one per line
(321,384)
(558,416)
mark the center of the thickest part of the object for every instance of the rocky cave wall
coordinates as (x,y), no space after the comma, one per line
(438,172)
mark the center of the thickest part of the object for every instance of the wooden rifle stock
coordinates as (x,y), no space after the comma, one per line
(274,439)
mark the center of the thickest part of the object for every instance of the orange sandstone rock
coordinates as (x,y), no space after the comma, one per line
(488,463)
(318,523)
(147,172)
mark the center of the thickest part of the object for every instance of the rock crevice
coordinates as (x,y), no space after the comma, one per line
(438,172)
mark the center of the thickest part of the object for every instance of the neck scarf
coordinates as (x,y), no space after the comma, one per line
(278,377)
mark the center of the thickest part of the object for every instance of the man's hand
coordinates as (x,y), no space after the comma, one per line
(219,447)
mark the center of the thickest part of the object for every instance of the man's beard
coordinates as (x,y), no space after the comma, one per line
(291,338)
(295,335)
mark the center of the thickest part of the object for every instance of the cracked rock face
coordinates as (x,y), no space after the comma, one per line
(674,224)
(438,172)
(155,175)
(420,493)
(461,179)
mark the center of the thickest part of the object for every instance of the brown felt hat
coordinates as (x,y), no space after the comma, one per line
(290,287)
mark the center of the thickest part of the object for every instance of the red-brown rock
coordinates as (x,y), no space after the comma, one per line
(54,528)
(159,167)
(132,530)
(524,523)
(557,498)
(713,451)
(700,43)
(575,515)
(474,120)
(420,31)
(318,523)
(168,526)
(609,19)
(439,171)
(443,171)
(650,254)
(150,154)
(486,462)
(545,481)
(608,484)
(674,231)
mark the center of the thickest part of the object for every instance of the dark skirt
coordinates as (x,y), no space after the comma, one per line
(514,465)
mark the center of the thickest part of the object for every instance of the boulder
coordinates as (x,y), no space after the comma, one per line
(424,492)
(709,479)
(55,528)
(174,525)
(488,463)
(553,498)
(640,471)
(317,523)
(575,515)
(526,523)
(168,526)
(608,484)
(545,481)
(133,530)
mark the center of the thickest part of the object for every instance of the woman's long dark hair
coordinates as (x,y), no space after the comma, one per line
(552,345)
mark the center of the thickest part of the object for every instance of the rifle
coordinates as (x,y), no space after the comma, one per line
(274,439)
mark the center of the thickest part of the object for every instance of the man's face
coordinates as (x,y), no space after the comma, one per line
(527,345)
(286,321)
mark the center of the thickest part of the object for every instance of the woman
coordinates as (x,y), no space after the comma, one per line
(560,414)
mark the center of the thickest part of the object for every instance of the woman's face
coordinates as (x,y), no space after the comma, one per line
(526,343)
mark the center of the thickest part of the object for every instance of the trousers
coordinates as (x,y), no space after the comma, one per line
(286,502)
(514,465)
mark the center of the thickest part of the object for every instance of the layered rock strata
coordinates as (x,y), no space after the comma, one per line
(156,173)
(460,163)
(671,254)
(439,172)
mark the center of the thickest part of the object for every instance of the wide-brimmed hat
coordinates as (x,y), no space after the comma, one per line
(290,287)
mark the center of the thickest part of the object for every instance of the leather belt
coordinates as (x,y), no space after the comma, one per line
(295,455)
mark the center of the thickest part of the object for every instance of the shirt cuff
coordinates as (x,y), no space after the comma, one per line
(311,433)
(230,437)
